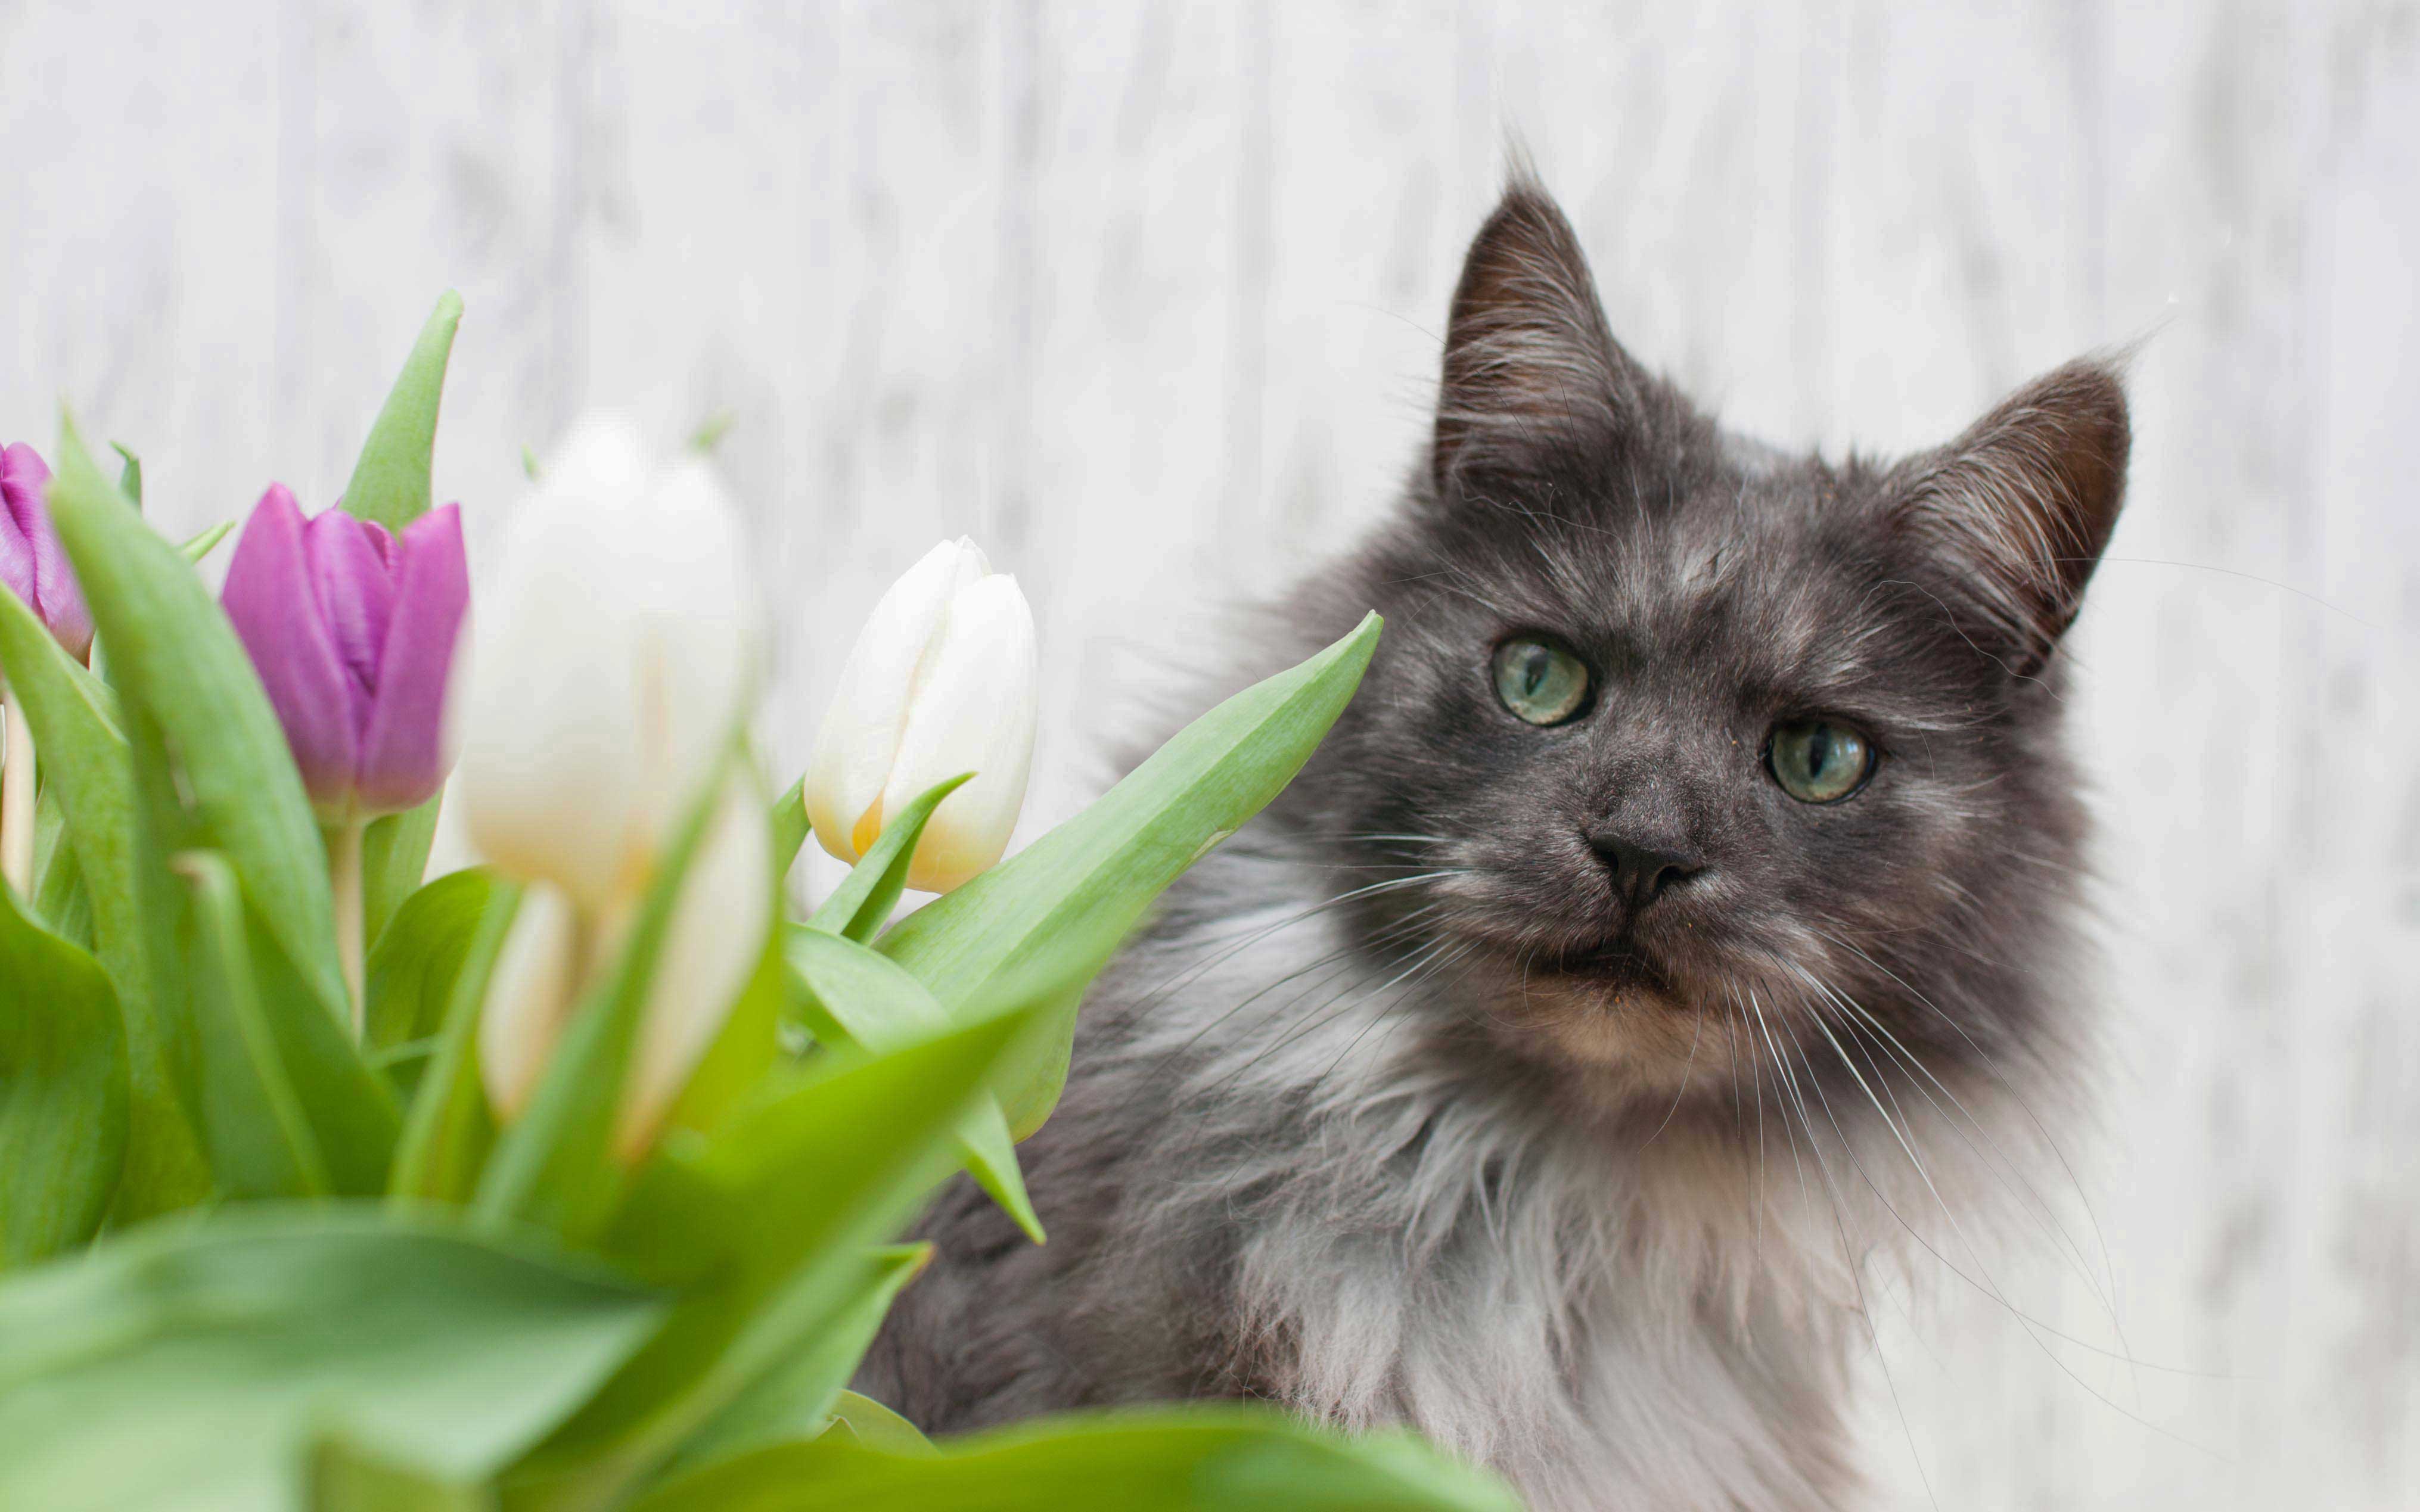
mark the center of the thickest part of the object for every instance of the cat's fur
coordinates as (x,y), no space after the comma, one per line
(1586,1193)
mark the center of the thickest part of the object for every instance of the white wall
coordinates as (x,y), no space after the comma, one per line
(1148,299)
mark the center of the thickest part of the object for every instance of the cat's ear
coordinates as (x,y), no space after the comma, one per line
(1530,367)
(2022,506)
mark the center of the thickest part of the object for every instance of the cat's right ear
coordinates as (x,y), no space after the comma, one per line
(1531,370)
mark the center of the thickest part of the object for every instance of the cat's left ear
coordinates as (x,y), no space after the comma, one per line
(2021,506)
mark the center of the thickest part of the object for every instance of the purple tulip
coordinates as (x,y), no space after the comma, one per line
(352,632)
(32,563)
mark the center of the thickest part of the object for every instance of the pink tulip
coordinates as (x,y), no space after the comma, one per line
(33,564)
(353,631)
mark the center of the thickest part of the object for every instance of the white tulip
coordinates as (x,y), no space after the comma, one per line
(942,681)
(711,947)
(611,656)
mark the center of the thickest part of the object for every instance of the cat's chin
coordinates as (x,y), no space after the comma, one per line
(1616,1023)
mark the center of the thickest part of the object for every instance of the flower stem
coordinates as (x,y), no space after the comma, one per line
(17,802)
(344,881)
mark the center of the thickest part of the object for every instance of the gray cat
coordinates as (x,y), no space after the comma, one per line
(1688,894)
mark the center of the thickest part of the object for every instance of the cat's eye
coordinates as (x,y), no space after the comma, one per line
(1817,760)
(1540,681)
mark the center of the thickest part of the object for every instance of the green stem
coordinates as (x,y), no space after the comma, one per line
(345,883)
(17,802)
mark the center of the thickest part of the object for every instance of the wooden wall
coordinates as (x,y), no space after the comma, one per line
(1147,298)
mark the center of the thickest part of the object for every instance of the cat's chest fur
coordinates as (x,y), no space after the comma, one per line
(1276,1175)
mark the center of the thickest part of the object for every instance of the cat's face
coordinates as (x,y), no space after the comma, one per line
(1704,757)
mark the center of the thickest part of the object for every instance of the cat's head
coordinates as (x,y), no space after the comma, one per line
(1683,755)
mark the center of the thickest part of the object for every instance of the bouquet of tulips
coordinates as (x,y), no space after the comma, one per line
(572,1178)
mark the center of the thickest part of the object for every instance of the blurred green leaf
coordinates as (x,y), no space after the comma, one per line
(797,1395)
(76,722)
(191,1365)
(850,995)
(862,905)
(878,1427)
(394,863)
(450,1130)
(129,474)
(410,976)
(789,825)
(1104,866)
(1221,1459)
(63,1095)
(341,1475)
(173,652)
(390,482)
(198,547)
(766,1224)
(733,1068)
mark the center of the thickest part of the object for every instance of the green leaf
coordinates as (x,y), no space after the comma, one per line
(767,1226)
(733,1068)
(389,483)
(1104,866)
(850,995)
(172,651)
(789,825)
(198,547)
(878,1427)
(410,976)
(130,476)
(341,1475)
(395,862)
(556,1166)
(450,1130)
(76,722)
(191,1365)
(797,1395)
(1222,1459)
(63,1095)
(860,905)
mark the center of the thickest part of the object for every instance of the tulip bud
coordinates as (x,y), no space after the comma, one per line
(353,631)
(613,655)
(33,564)
(942,681)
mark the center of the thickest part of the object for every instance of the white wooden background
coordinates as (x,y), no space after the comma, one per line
(1148,299)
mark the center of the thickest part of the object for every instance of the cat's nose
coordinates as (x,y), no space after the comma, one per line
(1643,866)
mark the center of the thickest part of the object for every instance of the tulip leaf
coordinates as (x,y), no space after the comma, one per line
(450,1130)
(129,474)
(860,905)
(853,998)
(765,1227)
(750,1041)
(556,1167)
(198,547)
(395,862)
(410,976)
(340,1474)
(797,1395)
(789,827)
(194,1364)
(878,1427)
(173,652)
(77,722)
(389,483)
(63,1091)
(1229,1458)
(1104,866)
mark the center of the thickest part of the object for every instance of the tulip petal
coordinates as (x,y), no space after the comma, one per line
(353,580)
(859,741)
(404,753)
(270,598)
(974,711)
(711,950)
(696,642)
(34,563)
(529,998)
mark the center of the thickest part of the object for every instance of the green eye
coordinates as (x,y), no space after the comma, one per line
(1541,683)
(1818,762)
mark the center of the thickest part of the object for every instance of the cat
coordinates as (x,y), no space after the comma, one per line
(1548,1067)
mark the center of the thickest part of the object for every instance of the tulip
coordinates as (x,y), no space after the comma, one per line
(34,566)
(941,683)
(611,663)
(352,632)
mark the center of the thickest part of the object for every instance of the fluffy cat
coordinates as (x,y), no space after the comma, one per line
(1546,1068)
